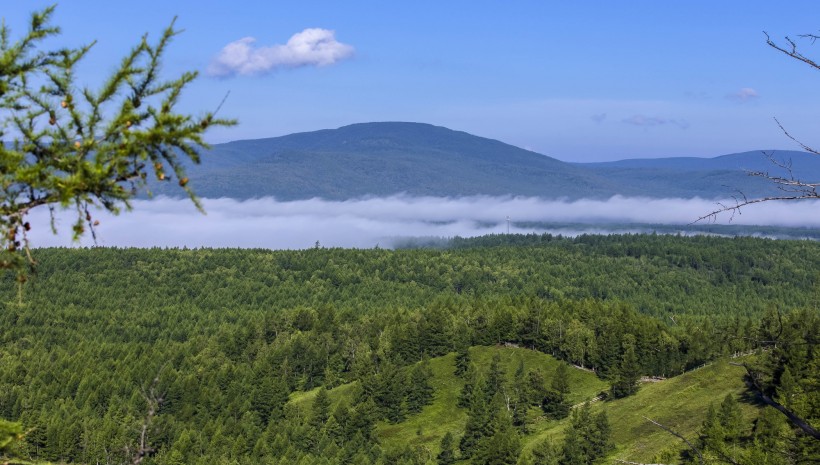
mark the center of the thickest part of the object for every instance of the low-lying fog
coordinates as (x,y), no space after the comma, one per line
(365,223)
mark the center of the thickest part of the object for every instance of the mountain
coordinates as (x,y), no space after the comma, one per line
(709,177)
(387,158)
(384,159)
(757,160)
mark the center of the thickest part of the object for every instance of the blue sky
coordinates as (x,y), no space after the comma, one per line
(579,81)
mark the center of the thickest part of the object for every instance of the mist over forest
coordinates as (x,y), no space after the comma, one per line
(379,221)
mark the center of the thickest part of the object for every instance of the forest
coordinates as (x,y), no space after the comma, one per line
(328,356)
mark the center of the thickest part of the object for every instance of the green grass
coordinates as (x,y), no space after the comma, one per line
(679,403)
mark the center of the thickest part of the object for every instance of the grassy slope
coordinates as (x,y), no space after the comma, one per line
(679,403)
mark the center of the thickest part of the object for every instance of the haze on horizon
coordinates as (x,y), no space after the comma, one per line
(578,82)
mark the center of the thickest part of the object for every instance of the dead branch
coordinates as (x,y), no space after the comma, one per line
(753,382)
(679,436)
(801,144)
(792,49)
(154,402)
(795,188)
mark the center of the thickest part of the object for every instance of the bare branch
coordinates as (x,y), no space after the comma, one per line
(154,401)
(753,382)
(679,436)
(795,188)
(792,50)
(804,146)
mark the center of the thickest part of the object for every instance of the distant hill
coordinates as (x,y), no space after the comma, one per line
(757,160)
(379,159)
(709,177)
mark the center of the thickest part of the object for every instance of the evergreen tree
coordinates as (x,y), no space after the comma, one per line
(519,415)
(535,388)
(419,392)
(731,418)
(769,447)
(573,451)
(600,440)
(269,396)
(472,381)
(587,439)
(320,410)
(390,392)
(478,421)
(554,405)
(363,420)
(66,144)
(554,401)
(545,453)
(560,379)
(447,456)
(712,433)
(501,445)
(462,360)
(495,377)
(628,373)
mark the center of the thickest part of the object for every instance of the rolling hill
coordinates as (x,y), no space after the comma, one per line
(387,158)
(681,401)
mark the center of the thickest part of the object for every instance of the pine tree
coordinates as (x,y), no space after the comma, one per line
(545,453)
(363,420)
(419,392)
(501,445)
(573,451)
(587,439)
(462,360)
(320,410)
(535,388)
(560,379)
(769,438)
(554,401)
(554,405)
(712,433)
(269,396)
(731,418)
(390,393)
(495,377)
(601,436)
(447,456)
(468,391)
(478,420)
(519,415)
(628,372)
(68,145)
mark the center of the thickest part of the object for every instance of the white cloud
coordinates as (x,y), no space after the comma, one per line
(311,47)
(649,121)
(744,95)
(364,223)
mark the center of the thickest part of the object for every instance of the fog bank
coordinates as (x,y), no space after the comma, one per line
(365,223)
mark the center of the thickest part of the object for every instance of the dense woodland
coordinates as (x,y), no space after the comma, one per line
(219,341)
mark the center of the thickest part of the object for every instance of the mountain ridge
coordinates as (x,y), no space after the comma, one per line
(420,159)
